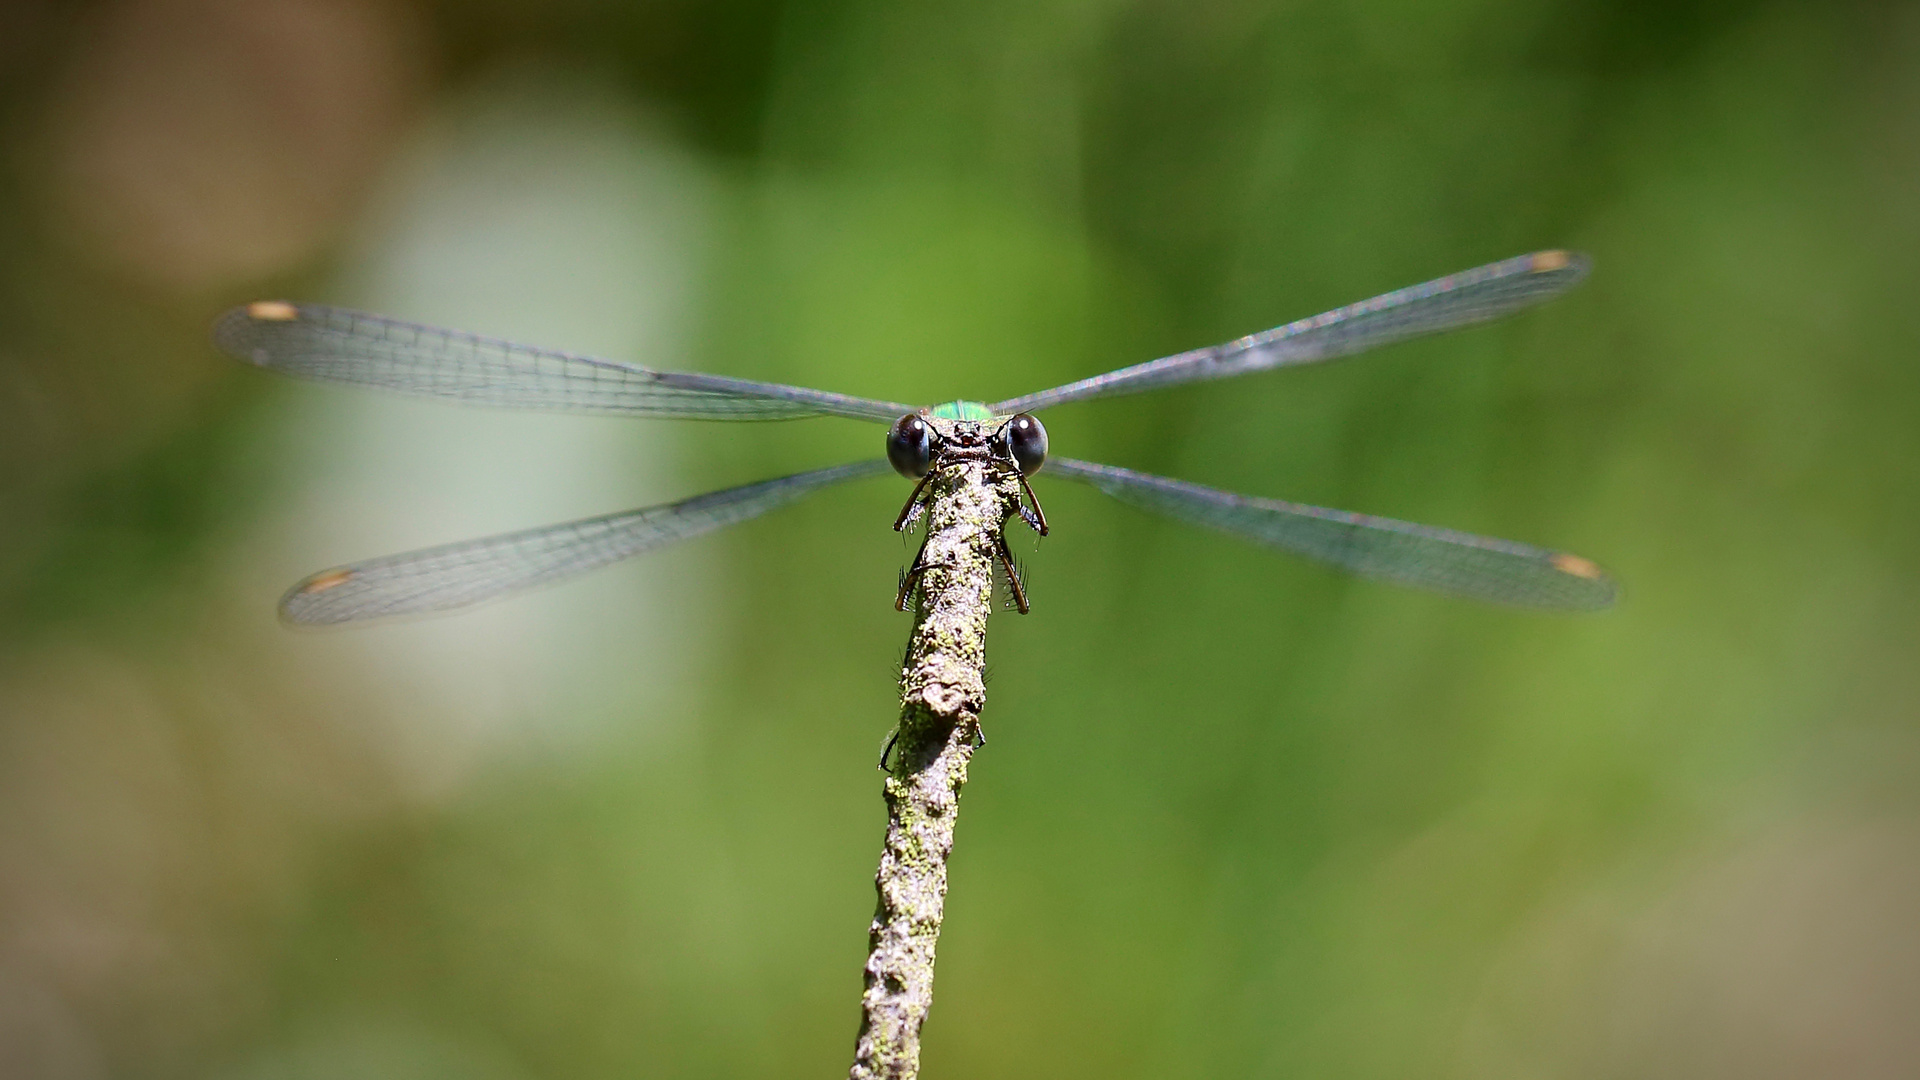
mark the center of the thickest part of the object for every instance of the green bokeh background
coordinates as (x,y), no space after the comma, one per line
(1239,816)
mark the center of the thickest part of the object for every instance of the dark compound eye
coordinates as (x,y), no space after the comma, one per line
(1026,442)
(910,446)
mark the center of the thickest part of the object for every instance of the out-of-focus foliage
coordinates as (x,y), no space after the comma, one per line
(1239,816)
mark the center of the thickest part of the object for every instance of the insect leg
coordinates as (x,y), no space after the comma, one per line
(901,521)
(1038,517)
(1013,574)
(912,574)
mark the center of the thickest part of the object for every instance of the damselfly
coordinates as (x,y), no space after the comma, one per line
(337,345)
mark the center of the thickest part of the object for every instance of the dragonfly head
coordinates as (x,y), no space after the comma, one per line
(921,440)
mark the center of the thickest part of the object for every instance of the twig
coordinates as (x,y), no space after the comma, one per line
(941,692)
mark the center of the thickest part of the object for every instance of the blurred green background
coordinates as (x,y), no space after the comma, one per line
(1239,816)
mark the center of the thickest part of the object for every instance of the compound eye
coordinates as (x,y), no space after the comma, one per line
(910,446)
(1027,442)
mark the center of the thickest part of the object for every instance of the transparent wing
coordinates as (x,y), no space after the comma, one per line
(1479,567)
(1467,297)
(337,345)
(455,575)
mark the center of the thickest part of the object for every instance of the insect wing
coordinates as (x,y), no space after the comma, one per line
(1479,567)
(337,345)
(455,575)
(1470,296)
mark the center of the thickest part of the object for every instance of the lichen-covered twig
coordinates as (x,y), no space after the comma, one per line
(941,690)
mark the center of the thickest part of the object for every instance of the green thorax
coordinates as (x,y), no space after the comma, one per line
(961,410)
